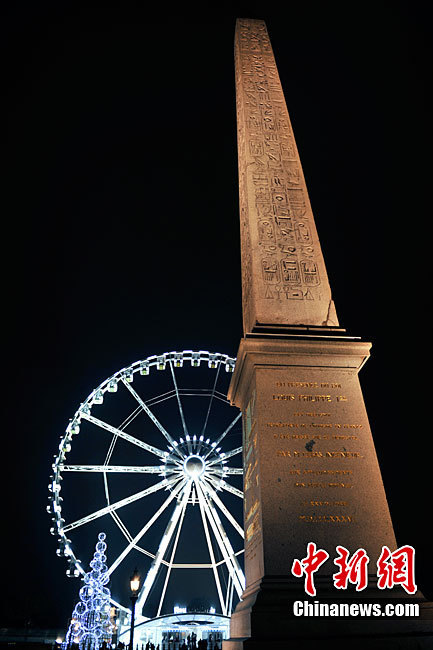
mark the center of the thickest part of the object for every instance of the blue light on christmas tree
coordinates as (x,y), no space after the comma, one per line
(90,624)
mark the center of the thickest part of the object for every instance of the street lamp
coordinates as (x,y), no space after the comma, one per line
(134,582)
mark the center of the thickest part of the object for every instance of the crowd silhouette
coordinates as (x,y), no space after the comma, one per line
(174,642)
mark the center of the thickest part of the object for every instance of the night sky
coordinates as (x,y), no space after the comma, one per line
(121,229)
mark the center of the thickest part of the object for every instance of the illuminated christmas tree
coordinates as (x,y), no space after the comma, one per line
(90,623)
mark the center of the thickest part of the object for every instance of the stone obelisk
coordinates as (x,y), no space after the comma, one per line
(310,469)
(284,280)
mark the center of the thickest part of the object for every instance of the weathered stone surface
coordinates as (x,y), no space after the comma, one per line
(284,280)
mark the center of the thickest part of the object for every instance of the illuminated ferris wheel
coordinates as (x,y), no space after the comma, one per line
(147,456)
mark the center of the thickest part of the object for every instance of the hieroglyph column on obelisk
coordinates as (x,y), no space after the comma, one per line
(311,473)
(284,279)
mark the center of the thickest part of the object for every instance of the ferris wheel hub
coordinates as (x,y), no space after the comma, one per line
(194,466)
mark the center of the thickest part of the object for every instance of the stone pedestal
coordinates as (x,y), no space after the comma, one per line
(310,475)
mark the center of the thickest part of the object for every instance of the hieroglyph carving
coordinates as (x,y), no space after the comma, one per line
(281,255)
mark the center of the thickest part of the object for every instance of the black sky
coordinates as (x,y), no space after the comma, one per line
(121,232)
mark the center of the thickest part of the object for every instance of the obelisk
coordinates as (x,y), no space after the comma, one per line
(284,279)
(310,468)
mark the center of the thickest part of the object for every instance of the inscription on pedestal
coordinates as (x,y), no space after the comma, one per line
(315,449)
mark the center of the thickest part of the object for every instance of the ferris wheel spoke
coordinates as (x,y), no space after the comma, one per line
(215,470)
(229,600)
(114,439)
(229,488)
(229,428)
(178,463)
(173,553)
(224,433)
(226,455)
(211,400)
(148,412)
(223,542)
(233,452)
(139,469)
(125,436)
(146,527)
(120,504)
(121,525)
(122,427)
(212,558)
(160,398)
(179,403)
(215,498)
(154,567)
